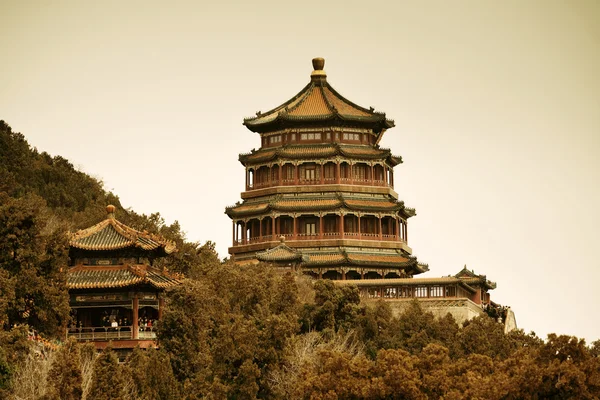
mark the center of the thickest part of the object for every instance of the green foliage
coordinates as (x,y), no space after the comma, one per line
(33,256)
(226,332)
(151,374)
(14,348)
(245,332)
(107,378)
(335,308)
(64,379)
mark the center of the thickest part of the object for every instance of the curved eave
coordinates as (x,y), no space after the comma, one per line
(94,278)
(123,237)
(286,152)
(375,123)
(339,204)
(408,212)
(390,263)
(164,249)
(395,160)
(253,120)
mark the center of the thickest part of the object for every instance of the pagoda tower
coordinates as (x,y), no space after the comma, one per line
(320,190)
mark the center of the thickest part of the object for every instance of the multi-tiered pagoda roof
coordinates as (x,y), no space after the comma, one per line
(111,254)
(321,181)
(318,104)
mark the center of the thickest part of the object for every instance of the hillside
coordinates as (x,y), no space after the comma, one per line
(240,332)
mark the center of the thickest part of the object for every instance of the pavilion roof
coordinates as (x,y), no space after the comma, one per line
(336,201)
(472,278)
(324,150)
(88,277)
(343,257)
(280,253)
(318,104)
(112,234)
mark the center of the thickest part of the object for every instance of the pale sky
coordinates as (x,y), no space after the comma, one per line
(496,104)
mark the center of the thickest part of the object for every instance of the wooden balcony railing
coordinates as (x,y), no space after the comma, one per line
(108,333)
(316,236)
(326,181)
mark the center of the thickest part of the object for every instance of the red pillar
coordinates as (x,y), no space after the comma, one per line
(337,173)
(294,233)
(233,234)
(398,228)
(244,233)
(295,174)
(161,306)
(359,227)
(321,226)
(135,305)
(273,233)
(280,174)
(260,235)
(342,225)
(372,176)
(405,232)
(322,174)
(380,232)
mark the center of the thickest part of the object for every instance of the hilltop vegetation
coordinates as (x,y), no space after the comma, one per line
(241,332)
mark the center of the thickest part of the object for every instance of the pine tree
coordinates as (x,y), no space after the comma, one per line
(107,380)
(64,379)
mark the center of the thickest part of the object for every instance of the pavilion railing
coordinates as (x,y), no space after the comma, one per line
(110,333)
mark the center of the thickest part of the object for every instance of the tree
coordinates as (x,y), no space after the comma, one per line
(14,348)
(335,308)
(152,375)
(33,256)
(107,379)
(64,379)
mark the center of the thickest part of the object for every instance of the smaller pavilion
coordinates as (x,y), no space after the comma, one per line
(464,295)
(116,292)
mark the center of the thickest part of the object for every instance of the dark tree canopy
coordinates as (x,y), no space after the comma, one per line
(245,331)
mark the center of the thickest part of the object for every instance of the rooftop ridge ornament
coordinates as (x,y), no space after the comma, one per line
(110,210)
(318,75)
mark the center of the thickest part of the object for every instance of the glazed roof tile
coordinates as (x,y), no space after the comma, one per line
(343,257)
(474,279)
(306,203)
(360,203)
(89,277)
(313,103)
(296,151)
(361,258)
(252,207)
(342,105)
(111,234)
(314,204)
(318,102)
(281,252)
(325,258)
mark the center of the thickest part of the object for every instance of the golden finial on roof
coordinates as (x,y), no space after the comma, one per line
(318,65)
(282,239)
(110,209)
